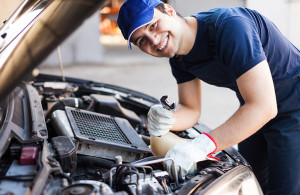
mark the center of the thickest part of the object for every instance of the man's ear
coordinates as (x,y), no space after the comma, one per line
(169,10)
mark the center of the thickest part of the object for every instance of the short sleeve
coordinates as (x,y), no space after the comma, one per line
(239,45)
(179,72)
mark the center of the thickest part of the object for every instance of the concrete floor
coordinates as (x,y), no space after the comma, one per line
(150,75)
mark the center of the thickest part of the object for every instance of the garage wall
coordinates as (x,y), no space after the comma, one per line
(7,7)
(186,8)
(284,13)
(82,47)
(294,22)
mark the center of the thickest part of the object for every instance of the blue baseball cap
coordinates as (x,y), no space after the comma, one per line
(134,14)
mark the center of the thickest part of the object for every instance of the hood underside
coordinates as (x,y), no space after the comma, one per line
(35,29)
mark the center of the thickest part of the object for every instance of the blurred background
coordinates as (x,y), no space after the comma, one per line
(98,52)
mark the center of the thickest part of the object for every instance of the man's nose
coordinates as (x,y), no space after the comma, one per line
(154,38)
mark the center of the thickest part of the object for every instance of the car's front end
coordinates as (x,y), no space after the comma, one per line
(73,136)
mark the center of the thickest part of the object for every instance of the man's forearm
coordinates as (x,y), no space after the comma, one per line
(185,118)
(244,122)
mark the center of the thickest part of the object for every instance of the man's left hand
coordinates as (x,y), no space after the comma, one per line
(159,120)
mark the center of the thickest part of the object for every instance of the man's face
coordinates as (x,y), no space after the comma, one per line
(161,37)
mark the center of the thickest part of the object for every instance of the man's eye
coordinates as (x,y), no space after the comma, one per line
(153,25)
(141,41)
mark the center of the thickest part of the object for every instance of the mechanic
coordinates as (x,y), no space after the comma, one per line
(237,48)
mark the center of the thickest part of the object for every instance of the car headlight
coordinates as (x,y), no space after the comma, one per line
(238,181)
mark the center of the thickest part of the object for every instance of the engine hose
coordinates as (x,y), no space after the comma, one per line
(90,161)
(61,104)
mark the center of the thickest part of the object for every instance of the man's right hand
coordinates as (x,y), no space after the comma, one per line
(188,153)
(159,120)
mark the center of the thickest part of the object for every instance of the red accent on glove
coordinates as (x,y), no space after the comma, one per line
(210,154)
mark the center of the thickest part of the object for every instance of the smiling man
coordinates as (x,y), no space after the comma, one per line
(237,48)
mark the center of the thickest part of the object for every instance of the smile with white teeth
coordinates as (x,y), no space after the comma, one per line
(164,44)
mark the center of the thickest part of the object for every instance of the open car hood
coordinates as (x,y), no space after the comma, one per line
(75,136)
(35,29)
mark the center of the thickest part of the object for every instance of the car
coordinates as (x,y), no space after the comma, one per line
(73,136)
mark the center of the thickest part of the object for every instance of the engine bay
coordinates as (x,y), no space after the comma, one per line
(81,137)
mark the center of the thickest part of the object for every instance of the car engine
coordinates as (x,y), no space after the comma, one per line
(76,136)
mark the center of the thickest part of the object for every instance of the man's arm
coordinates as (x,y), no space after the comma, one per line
(189,108)
(257,89)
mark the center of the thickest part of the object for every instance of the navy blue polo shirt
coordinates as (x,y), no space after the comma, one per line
(243,38)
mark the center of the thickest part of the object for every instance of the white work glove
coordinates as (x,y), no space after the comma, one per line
(186,155)
(159,120)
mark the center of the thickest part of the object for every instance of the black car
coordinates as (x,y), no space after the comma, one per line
(73,136)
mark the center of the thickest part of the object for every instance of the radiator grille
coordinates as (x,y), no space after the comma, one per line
(98,127)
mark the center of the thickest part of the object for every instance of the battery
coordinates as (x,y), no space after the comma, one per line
(28,156)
